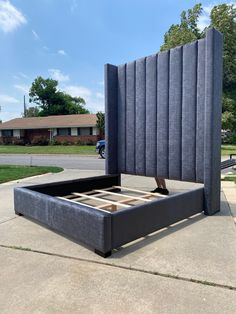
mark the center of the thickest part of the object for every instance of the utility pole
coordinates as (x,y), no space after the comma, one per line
(24,107)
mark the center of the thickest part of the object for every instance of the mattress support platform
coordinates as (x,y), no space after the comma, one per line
(124,201)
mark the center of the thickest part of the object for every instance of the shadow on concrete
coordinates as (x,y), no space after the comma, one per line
(153,237)
(150,238)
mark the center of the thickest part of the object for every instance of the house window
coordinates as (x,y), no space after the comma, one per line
(85,131)
(64,131)
(7,133)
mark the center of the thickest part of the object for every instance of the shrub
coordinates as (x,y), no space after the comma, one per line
(78,143)
(54,142)
(231,139)
(89,142)
(40,140)
(18,142)
(65,143)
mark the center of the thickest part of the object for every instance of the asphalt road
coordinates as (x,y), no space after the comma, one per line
(64,161)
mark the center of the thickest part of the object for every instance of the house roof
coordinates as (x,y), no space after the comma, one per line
(63,121)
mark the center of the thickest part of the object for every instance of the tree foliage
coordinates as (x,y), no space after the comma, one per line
(186,31)
(100,122)
(222,17)
(31,112)
(51,101)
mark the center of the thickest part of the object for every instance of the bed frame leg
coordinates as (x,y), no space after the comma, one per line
(107,254)
(19,214)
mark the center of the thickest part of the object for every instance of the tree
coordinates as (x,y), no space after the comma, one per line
(31,112)
(100,122)
(222,17)
(186,31)
(51,101)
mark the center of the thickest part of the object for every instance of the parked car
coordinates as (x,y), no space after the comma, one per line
(100,148)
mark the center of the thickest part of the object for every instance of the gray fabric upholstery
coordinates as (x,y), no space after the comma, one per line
(212,138)
(80,222)
(168,113)
(137,221)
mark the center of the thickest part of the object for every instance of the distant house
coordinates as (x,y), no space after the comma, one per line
(77,128)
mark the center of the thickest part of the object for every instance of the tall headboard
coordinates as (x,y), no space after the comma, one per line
(163,115)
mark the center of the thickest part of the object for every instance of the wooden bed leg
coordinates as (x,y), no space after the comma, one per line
(107,254)
(19,214)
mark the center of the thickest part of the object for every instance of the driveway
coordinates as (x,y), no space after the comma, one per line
(186,268)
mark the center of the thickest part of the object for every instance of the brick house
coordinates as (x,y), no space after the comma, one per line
(77,128)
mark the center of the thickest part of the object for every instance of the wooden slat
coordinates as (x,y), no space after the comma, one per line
(71,201)
(100,199)
(138,191)
(146,194)
(109,207)
(123,195)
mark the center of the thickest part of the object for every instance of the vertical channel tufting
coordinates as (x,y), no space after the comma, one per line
(163,114)
(140,116)
(200,110)
(168,115)
(151,115)
(212,129)
(121,91)
(130,117)
(175,113)
(189,112)
(111,118)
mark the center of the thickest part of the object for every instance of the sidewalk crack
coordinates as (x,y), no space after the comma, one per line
(130,268)
(2,222)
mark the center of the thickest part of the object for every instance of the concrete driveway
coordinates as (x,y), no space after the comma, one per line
(189,267)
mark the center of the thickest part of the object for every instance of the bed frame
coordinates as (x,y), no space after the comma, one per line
(163,118)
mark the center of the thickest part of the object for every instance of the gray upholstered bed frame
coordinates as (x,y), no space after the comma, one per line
(163,118)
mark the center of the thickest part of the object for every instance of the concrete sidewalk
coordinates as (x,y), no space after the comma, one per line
(189,267)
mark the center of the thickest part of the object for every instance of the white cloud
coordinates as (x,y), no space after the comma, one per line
(100,95)
(62,52)
(56,74)
(204,19)
(6,116)
(94,101)
(20,75)
(10,17)
(6,99)
(36,36)
(207,8)
(75,91)
(73,6)
(22,87)
(23,75)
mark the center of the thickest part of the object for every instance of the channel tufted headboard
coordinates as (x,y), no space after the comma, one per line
(163,115)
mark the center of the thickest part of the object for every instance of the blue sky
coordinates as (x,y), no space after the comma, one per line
(71,40)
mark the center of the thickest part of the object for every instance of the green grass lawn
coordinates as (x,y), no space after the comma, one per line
(230,178)
(228,149)
(74,149)
(10,173)
(56,149)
